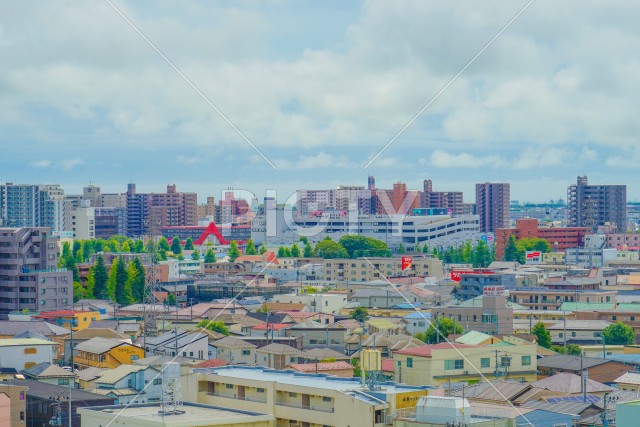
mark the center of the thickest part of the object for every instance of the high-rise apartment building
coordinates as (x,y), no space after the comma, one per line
(29,274)
(26,205)
(594,205)
(398,201)
(492,205)
(147,213)
(450,200)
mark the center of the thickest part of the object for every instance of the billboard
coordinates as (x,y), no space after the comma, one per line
(493,291)
(407,263)
(456,275)
(533,257)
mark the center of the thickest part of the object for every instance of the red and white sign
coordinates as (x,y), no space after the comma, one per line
(407,263)
(533,257)
(456,275)
(493,291)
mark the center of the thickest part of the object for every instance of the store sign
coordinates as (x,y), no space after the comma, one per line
(533,257)
(407,263)
(493,291)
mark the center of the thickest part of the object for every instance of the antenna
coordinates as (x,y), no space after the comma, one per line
(171,403)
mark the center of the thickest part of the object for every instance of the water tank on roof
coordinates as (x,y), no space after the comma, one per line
(371,360)
(443,410)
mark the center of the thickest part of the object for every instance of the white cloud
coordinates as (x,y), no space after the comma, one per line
(315,161)
(189,160)
(69,164)
(41,164)
(442,159)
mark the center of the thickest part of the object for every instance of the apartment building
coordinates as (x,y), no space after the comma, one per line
(29,274)
(27,205)
(149,212)
(298,399)
(450,200)
(437,364)
(493,206)
(473,284)
(560,238)
(545,299)
(369,269)
(490,314)
(593,205)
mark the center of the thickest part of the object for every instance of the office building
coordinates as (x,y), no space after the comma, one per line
(29,274)
(595,205)
(376,268)
(492,205)
(147,213)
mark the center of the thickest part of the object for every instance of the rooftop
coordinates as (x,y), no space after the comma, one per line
(47,370)
(8,342)
(14,327)
(425,350)
(322,366)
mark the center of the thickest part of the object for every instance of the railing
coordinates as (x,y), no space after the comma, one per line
(311,408)
(228,396)
(47,270)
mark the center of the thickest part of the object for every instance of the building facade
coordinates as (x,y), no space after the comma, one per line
(493,206)
(596,205)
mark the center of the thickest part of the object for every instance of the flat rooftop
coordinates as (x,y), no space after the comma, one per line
(194,415)
(297,378)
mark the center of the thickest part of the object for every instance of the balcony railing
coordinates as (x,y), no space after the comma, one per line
(310,408)
(246,398)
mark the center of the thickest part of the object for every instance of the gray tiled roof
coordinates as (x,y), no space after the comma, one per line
(98,345)
(570,363)
(46,391)
(565,407)
(14,327)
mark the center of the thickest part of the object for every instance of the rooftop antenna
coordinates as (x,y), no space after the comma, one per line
(171,403)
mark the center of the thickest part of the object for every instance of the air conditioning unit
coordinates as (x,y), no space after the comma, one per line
(466,372)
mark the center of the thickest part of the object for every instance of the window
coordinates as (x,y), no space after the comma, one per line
(246,352)
(292,394)
(158,381)
(453,364)
(21,416)
(326,399)
(228,386)
(63,381)
(260,390)
(22,395)
(409,362)
(614,317)
(526,361)
(30,350)
(191,353)
(485,362)
(135,357)
(573,334)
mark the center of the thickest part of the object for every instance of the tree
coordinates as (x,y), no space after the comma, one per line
(234,252)
(263,249)
(101,277)
(481,256)
(215,326)
(188,244)
(467,253)
(138,246)
(360,314)
(70,264)
(163,244)
(295,251)
(66,250)
(78,291)
(304,239)
(328,249)
(122,294)
(251,248)
(425,249)
(401,249)
(619,334)
(171,300)
(91,283)
(439,330)
(571,349)
(111,283)
(126,248)
(308,250)
(137,283)
(510,250)
(543,336)
(210,256)
(176,248)
(357,372)
(282,252)
(358,246)
(195,255)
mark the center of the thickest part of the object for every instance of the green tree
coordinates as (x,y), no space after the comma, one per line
(542,334)
(425,249)
(101,278)
(619,334)
(282,252)
(328,249)
(510,250)
(439,330)
(215,326)
(358,246)
(234,252)
(467,253)
(295,251)
(90,285)
(210,256)
(176,248)
(481,255)
(162,255)
(111,283)
(401,249)
(126,248)
(571,349)
(70,264)
(78,291)
(308,250)
(137,283)
(76,247)
(357,372)
(263,249)
(171,300)
(304,239)
(163,244)
(188,244)
(360,314)
(195,255)
(122,294)
(66,250)
(251,248)
(138,246)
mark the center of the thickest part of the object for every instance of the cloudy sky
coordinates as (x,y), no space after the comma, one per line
(319,88)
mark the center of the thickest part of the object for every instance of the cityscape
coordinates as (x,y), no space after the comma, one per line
(319,214)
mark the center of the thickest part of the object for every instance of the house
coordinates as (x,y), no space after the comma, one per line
(383,342)
(23,353)
(129,328)
(338,368)
(270,329)
(211,363)
(130,384)
(476,338)
(435,364)
(235,351)
(629,381)
(15,405)
(571,384)
(417,321)
(284,306)
(578,332)
(43,399)
(319,336)
(75,319)
(186,363)
(602,370)
(278,356)
(388,325)
(87,376)
(174,343)
(11,328)
(207,310)
(51,374)
(490,313)
(105,353)
(323,354)
(85,335)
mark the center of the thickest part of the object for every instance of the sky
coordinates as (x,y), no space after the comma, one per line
(319,88)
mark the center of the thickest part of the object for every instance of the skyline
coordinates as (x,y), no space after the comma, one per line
(319,89)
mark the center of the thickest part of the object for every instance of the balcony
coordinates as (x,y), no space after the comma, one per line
(308,408)
(245,398)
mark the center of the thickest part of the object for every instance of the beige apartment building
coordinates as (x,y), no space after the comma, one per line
(437,364)
(377,268)
(547,299)
(297,399)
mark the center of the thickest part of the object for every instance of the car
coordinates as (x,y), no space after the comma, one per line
(68,368)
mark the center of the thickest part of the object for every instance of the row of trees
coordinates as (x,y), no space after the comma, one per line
(614,334)
(124,283)
(516,249)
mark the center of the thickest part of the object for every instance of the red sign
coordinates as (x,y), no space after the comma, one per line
(456,275)
(407,262)
(532,255)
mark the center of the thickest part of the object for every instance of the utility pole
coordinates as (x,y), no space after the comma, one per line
(565,331)
(605,421)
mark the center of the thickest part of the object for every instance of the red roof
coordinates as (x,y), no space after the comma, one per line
(388,365)
(425,350)
(272,326)
(322,366)
(211,363)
